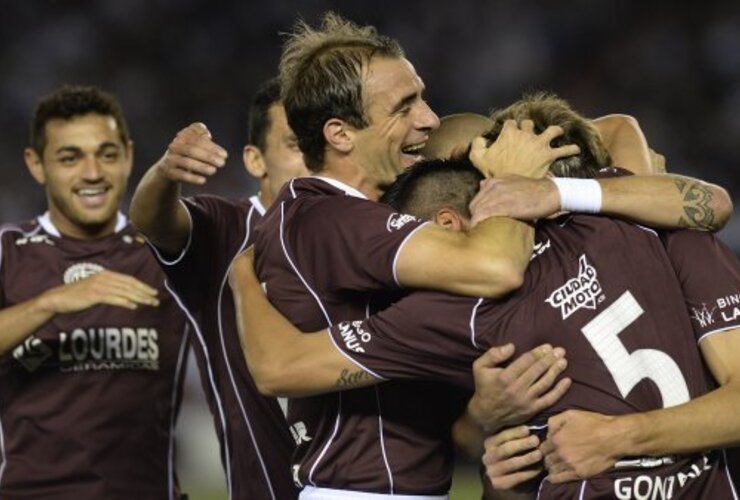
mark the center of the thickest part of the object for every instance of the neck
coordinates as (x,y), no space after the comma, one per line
(352,175)
(265,194)
(82,232)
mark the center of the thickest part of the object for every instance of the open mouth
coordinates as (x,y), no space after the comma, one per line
(413,151)
(93,197)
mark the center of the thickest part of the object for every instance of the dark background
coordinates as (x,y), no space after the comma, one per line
(673,65)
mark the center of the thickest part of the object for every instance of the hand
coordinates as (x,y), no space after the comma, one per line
(192,156)
(519,151)
(516,197)
(105,287)
(511,458)
(509,396)
(580,444)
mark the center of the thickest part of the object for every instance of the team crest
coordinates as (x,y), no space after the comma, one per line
(81,271)
(583,291)
(32,353)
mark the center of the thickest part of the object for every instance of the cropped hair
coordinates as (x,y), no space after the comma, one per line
(546,109)
(430,185)
(72,101)
(259,112)
(322,71)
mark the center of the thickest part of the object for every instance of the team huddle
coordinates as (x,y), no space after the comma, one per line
(530,288)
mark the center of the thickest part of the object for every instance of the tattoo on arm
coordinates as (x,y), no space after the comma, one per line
(348,379)
(697,199)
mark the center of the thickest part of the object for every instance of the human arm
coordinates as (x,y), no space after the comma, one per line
(511,464)
(20,320)
(710,276)
(624,140)
(282,360)
(491,258)
(662,201)
(156,209)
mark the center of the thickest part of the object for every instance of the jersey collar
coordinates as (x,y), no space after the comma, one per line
(348,190)
(257,204)
(46,223)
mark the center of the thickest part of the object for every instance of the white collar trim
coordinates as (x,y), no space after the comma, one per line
(348,190)
(257,204)
(48,226)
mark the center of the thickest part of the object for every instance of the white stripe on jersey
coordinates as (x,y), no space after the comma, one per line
(472,323)
(173,414)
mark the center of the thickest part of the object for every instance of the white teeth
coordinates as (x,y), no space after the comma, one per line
(413,150)
(91,191)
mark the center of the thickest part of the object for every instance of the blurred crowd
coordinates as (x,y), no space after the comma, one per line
(674,66)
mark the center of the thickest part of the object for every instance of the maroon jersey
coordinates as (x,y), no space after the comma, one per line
(88,402)
(322,250)
(613,296)
(255,443)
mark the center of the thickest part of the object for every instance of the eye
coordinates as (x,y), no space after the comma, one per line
(110,156)
(67,160)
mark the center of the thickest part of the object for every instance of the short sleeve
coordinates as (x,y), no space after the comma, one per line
(354,242)
(710,278)
(424,336)
(219,228)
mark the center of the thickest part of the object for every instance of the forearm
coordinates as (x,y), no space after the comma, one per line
(468,436)
(156,211)
(623,138)
(666,201)
(21,320)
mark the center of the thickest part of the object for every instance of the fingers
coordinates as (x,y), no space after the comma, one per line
(192,156)
(541,375)
(121,289)
(530,359)
(494,356)
(554,395)
(509,457)
(509,434)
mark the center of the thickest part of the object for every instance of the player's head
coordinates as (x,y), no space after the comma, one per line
(81,153)
(454,135)
(272,153)
(351,96)
(546,109)
(439,190)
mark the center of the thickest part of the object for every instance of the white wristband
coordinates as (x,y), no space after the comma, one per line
(579,195)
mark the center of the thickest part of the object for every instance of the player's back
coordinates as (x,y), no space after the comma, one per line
(606,291)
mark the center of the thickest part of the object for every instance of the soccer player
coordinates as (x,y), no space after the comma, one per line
(390,346)
(92,345)
(195,240)
(323,250)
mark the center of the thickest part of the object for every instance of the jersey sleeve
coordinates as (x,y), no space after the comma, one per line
(424,336)
(710,278)
(218,230)
(356,240)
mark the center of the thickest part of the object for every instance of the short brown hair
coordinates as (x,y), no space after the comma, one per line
(71,101)
(321,77)
(546,109)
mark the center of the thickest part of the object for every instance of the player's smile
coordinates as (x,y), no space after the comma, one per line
(92,197)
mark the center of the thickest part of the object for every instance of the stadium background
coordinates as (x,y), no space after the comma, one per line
(675,66)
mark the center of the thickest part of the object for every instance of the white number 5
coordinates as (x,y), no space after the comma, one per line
(627,368)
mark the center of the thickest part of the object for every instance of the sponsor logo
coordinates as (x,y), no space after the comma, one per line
(109,348)
(539,249)
(39,238)
(81,271)
(659,487)
(32,353)
(703,316)
(583,291)
(396,221)
(300,433)
(354,335)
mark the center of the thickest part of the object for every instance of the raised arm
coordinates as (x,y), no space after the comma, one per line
(19,321)
(491,258)
(662,201)
(156,209)
(626,143)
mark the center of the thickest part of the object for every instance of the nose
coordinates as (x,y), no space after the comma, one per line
(91,170)
(427,119)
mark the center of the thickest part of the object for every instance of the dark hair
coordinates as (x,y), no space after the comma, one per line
(259,117)
(546,109)
(321,75)
(70,101)
(429,185)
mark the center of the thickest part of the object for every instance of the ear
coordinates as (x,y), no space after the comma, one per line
(254,162)
(339,135)
(449,219)
(34,165)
